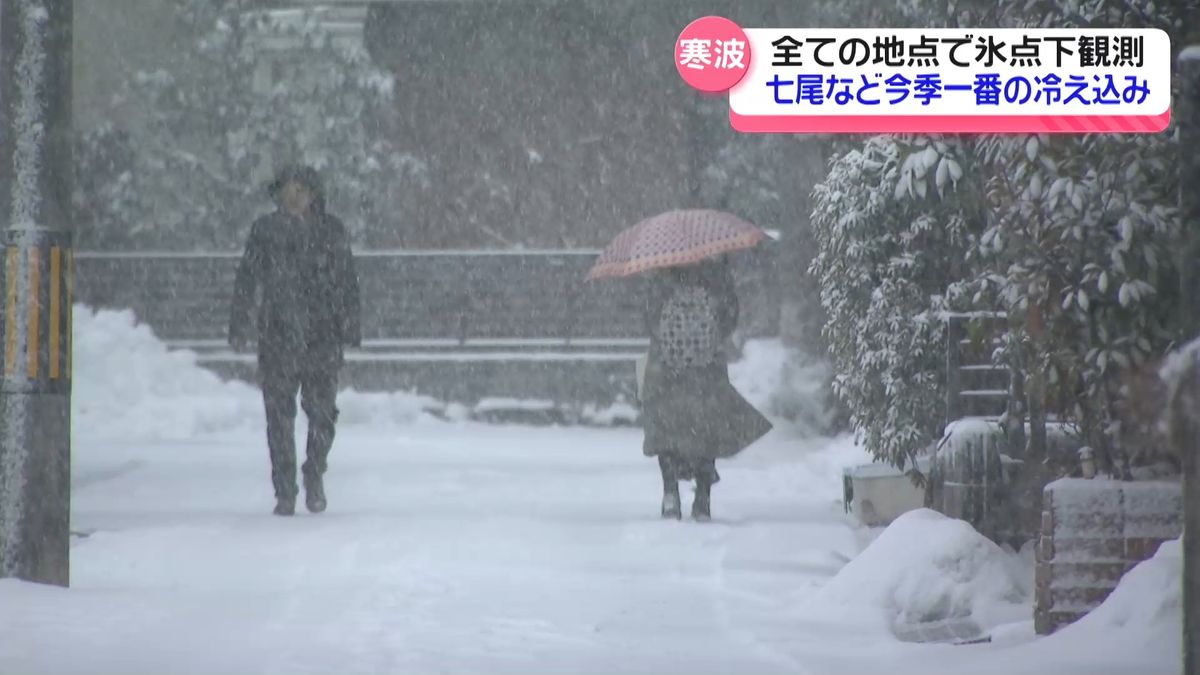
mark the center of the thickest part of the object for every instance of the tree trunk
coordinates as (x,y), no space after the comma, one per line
(1035,387)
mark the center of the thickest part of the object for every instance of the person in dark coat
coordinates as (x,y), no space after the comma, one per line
(299,258)
(692,413)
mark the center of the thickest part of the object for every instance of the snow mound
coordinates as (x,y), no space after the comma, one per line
(1145,609)
(927,567)
(618,413)
(1137,629)
(386,408)
(129,385)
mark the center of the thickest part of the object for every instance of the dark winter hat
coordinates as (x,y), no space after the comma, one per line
(305,175)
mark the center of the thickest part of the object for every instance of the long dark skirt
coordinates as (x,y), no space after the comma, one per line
(696,413)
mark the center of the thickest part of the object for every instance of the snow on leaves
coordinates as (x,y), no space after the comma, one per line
(1076,242)
(887,242)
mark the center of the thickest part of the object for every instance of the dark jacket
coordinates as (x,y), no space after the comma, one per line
(309,309)
(696,412)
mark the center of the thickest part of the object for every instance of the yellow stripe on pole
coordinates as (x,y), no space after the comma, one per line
(33,349)
(10,317)
(55,311)
(70,306)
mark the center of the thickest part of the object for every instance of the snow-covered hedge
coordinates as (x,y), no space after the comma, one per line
(891,239)
(1077,240)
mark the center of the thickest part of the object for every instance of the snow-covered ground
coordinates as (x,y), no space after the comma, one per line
(460,547)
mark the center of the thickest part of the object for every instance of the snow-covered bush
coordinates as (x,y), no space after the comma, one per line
(1077,250)
(892,223)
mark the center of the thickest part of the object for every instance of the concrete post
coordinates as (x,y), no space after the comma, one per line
(35,199)
(1188,116)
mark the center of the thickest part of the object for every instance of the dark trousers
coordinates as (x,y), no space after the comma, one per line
(317,386)
(678,467)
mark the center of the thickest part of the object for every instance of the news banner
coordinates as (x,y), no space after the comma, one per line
(931,80)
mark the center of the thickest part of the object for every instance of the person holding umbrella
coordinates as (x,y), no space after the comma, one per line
(692,413)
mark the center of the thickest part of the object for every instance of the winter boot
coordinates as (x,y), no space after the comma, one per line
(314,493)
(701,506)
(285,506)
(671,507)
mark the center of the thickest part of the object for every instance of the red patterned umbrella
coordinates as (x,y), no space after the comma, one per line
(675,238)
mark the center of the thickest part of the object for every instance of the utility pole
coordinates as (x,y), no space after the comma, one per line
(35,201)
(1188,109)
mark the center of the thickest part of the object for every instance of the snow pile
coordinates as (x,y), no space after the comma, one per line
(1144,611)
(927,567)
(501,403)
(618,413)
(387,408)
(784,384)
(1137,629)
(129,385)
(969,430)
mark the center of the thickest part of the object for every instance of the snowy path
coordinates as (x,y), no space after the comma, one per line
(459,548)
(447,548)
